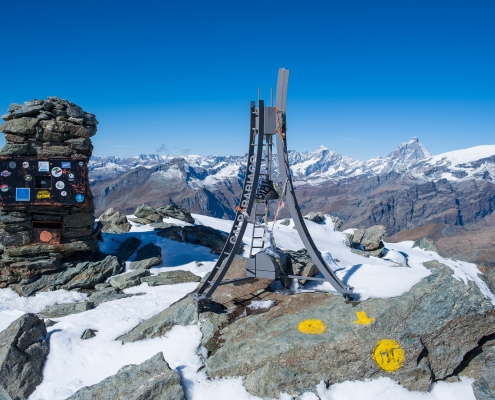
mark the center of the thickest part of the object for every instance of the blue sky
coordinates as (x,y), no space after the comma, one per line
(178,76)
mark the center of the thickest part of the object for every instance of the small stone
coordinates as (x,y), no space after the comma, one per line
(13,107)
(49,323)
(25,111)
(78,121)
(75,112)
(142,221)
(88,334)
(337,222)
(101,286)
(285,222)
(316,217)
(7,117)
(373,236)
(176,212)
(361,252)
(48,106)
(143,211)
(161,225)
(154,218)
(114,222)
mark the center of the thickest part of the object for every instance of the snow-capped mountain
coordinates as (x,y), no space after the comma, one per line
(409,187)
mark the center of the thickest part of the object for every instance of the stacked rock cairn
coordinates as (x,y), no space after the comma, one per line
(45,128)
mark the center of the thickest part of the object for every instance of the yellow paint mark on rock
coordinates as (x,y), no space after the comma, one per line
(363,319)
(312,327)
(388,355)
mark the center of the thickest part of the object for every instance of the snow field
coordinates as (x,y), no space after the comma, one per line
(73,363)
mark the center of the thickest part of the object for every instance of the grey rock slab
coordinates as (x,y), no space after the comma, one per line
(62,310)
(183,312)
(130,279)
(176,212)
(88,334)
(27,110)
(143,211)
(147,256)
(101,286)
(114,222)
(152,379)
(161,225)
(154,218)
(23,126)
(436,323)
(107,294)
(142,221)
(205,236)
(171,278)
(14,149)
(75,112)
(23,351)
(128,248)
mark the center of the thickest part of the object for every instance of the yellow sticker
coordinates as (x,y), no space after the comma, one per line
(388,355)
(43,194)
(312,327)
(363,319)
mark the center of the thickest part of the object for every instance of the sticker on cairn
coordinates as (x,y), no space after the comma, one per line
(43,166)
(60,185)
(57,172)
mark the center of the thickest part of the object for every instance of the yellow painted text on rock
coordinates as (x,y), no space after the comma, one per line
(388,355)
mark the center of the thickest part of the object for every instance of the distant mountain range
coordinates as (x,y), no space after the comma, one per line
(408,188)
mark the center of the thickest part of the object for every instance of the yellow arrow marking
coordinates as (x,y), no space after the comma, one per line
(388,355)
(312,327)
(363,319)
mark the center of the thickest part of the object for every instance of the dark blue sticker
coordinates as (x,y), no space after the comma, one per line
(65,164)
(22,194)
(79,198)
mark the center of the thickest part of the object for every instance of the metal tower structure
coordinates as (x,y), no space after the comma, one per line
(268,262)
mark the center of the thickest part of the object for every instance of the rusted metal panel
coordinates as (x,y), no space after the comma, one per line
(41,181)
(46,232)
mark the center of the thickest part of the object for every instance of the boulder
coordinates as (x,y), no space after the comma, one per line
(143,211)
(337,222)
(425,244)
(300,263)
(152,379)
(23,351)
(172,232)
(316,217)
(154,218)
(171,278)
(128,248)
(286,222)
(114,222)
(147,256)
(130,279)
(62,310)
(373,236)
(176,212)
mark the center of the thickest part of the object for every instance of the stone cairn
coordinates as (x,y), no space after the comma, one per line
(45,129)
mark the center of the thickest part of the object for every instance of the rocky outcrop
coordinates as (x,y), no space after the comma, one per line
(23,351)
(114,221)
(152,379)
(438,340)
(73,274)
(368,242)
(88,334)
(425,244)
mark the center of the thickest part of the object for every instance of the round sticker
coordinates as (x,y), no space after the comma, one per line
(5,173)
(28,178)
(12,164)
(25,164)
(56,172)
(60,185)
(79,198)
(71,176)
(4,188)
(63,193)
